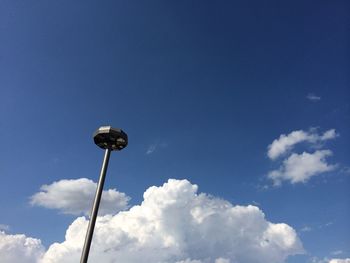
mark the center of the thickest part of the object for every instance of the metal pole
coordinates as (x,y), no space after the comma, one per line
(93,216)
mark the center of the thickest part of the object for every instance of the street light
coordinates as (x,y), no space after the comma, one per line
(109,139)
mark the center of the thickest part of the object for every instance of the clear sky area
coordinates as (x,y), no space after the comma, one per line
(238,117)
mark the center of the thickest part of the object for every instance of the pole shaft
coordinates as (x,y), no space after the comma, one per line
(94,211)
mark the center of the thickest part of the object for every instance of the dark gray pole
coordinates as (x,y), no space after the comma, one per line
(94,211)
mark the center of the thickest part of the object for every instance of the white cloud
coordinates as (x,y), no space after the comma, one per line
(317,260)
(299,168)
(19,248)
(286,142)
(328,260)
(155,146)
(345,170)
(337,252)
(175,224)
(222,260)
(330,134)
(4,227)
(76,197)
(306,229)
(151,148)
(338,260)
(313,97)
(328,224)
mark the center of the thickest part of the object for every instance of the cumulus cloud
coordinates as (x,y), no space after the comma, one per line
(19,248)
(175,224)
(338,260)
(299,168)
(76,196)
(286,142)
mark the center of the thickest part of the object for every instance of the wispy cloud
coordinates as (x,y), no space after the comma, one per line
(340,260)
(328,260)
(4,227)
(337,252)
(155,146)
(306,229)
(151,148)
(313,97)
(328,224)
(345,170)
(318,227)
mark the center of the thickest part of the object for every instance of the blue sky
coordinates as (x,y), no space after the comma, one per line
(202,88)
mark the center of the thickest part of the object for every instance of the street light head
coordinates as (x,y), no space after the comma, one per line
(107,137)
